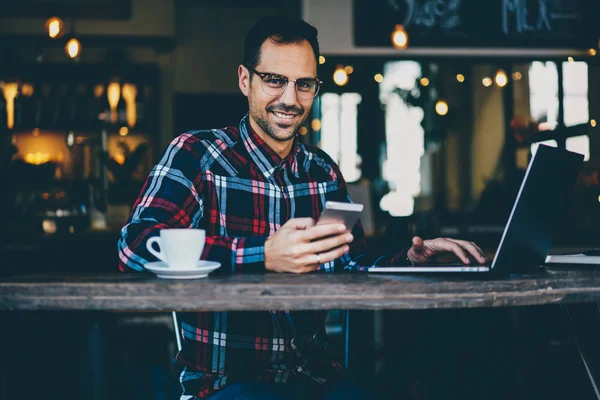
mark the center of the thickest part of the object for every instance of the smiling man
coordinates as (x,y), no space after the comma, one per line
(257,191)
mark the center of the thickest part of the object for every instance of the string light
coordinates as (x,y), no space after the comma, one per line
(73,48)
(424,81)
(55,27)
(123,131)
(570,59)
(340,76)
(322,60)
(378,78)
(441,107)
(349,69)
(400,38)
(460,78)
(487,81)
(517,76)
(501,78)
(592,52)
(593,123)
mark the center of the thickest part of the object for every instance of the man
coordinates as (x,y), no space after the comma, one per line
(257,192)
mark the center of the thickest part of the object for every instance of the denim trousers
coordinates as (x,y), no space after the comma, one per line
(258,390)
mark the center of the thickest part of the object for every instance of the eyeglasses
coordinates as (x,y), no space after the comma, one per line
(275,85)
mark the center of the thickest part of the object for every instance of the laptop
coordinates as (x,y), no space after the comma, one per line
(534,220)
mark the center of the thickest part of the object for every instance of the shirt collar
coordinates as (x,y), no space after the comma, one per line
(265,158)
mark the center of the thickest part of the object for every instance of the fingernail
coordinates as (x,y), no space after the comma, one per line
(341,228)
(346,249)
(349,237)
(467,261)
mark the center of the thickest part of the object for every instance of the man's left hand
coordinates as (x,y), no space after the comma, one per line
(423,251)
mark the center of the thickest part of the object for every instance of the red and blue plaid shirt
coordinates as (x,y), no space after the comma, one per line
(230,183)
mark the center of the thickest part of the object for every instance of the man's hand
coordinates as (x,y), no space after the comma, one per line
(423,251)
(300,246)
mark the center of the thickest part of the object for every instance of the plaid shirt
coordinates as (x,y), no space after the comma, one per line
(230,183)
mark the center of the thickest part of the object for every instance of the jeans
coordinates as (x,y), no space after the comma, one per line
(344,390)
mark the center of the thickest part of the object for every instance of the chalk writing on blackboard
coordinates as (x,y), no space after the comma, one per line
(430,13)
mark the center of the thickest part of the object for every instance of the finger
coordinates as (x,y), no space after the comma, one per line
(473,250)
(478,248)
(417,244)
(453,247)
(319,231)
(327,256)
(323,245)
(299,223)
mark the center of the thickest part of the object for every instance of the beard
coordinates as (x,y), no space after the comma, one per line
(275,131)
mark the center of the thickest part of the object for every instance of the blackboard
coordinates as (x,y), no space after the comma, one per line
(479,23)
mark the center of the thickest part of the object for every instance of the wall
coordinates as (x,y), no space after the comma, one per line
(594,99)
(210,44)
(334,20)
(149,18)
(488,129)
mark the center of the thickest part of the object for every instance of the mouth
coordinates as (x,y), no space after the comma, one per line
(284,118)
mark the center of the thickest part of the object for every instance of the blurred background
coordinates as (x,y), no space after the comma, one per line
(432,108)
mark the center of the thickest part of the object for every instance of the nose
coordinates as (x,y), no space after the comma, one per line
(288,97)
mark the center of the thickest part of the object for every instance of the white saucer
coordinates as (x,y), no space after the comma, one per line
(201,270)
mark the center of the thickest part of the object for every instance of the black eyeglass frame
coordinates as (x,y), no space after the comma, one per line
(263,75)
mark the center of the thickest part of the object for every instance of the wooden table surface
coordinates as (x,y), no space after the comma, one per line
(145,292)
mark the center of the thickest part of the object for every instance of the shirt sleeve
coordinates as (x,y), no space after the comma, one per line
(172,198)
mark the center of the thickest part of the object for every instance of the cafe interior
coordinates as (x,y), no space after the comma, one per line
(431,108)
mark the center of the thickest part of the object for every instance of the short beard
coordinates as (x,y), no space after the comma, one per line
(267,128)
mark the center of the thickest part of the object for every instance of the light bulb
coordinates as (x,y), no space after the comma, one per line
(501,78)
(441,107)
(400,38)
(129,93)
(113,93)
(340,76)
(73,48)
(11,90)
(55,27)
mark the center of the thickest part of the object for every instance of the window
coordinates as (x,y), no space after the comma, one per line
(543,93)
(579,144)
(543,88)
(404,138)
(339,132)
(575,85)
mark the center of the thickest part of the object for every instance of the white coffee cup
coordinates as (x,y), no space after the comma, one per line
(178,248)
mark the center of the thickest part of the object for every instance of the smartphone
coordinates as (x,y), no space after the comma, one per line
(336,212)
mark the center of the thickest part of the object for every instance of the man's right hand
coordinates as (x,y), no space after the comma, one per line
(300,246)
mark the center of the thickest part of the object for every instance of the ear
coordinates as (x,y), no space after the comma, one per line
(244,80)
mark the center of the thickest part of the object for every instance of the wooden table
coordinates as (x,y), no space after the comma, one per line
(144,292)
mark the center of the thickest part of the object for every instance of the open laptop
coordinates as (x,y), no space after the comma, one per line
(534,220)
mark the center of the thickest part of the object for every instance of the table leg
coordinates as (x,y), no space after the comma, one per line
(575,337)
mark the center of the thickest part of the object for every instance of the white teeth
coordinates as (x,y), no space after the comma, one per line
(280,115)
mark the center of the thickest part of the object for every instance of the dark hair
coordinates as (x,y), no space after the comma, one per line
(281,30)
